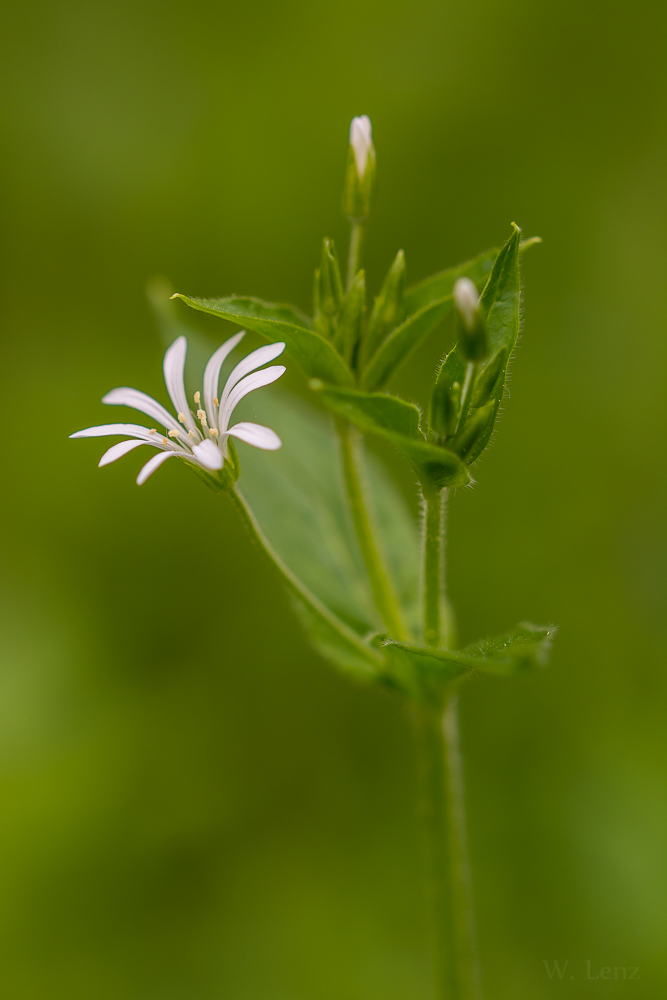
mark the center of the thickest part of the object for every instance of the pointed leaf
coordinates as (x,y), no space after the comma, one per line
(426,673)
(398,422)
(501,299)
(523,648)
(425,304)
(316,357)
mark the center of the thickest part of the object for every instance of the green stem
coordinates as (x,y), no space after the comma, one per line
(439,628)
(435,835)
(447,872)
(354,256)
(383,594)
(442,791)
(433,546)
(469,974)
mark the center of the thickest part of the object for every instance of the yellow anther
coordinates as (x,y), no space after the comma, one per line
(201,417)
(182,419)
(164,441)
(152,431)
(191,434)
(214,432)
(198,399)
(174,434)
(216,401)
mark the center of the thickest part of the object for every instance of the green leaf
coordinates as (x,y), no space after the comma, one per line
(298,498)
(316,357)
(401,342)
(398,422)
(425,304)
(501,300)
(427,673)
(372,411)
(523,648)
(421,673)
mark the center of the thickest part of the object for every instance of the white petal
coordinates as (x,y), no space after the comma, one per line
(256,359)
(108,430)
(174,367)
(212,374)
(361,140)
(145,404)
(208,454)
(154,463)
(246,385)
(255,434)
(118,450)
(466,300)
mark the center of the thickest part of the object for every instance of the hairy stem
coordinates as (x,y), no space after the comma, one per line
(442,793)
(357,493)
(469,975)
(433,544)
(446,860)
(439,628)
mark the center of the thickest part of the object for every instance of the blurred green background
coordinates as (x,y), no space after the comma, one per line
(183,823)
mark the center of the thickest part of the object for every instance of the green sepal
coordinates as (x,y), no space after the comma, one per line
(316,357)
(348,327)
(397,422)
(465,442)
(444,406)
(487,377)
(387,311)
(358,192)
(330,297)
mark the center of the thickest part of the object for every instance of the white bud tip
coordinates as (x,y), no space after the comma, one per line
(466,300)
(361,140)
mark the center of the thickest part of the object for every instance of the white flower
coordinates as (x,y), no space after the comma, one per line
(466,300)
(201,440)
(361,140)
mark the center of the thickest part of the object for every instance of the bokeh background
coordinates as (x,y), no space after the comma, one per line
(195,806)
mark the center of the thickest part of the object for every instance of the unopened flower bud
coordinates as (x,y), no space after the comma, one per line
(466,300)
(387,311)
(360,176)
(348,328)
(328,289)
(444,408)
(473,343)
(361,140)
